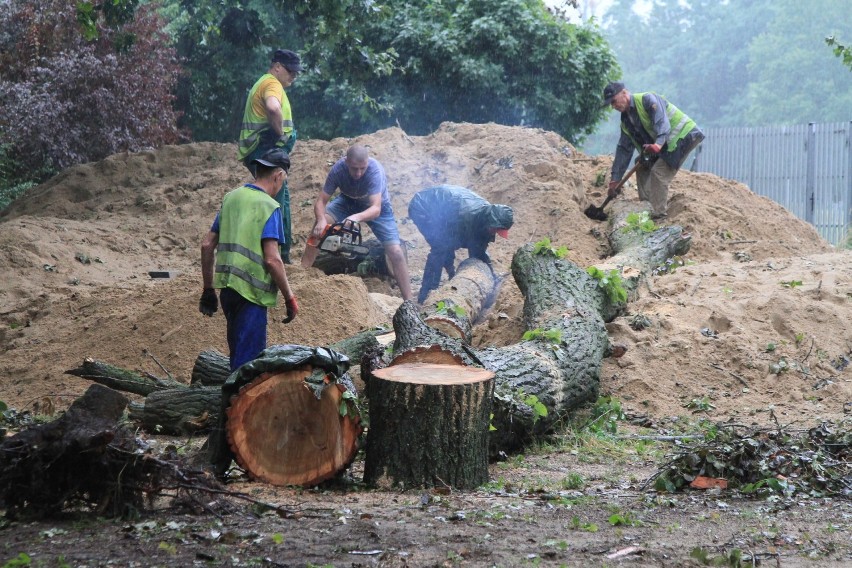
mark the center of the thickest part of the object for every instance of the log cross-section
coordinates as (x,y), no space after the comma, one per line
(429,426)
(280,433)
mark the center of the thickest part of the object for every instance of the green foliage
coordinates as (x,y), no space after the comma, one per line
(538,408)
(770,347)
(578,525)
(605,415)
(544,248)
(639,222)
(702,404)
(733,559)
(791,283)
(550,335)
(73,97)
(444,308)
(21,560)
(783,51)
(371,65)
(624,520)
(611,283)
(843,52)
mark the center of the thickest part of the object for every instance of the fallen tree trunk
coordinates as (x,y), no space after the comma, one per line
(556,369)
(455,306)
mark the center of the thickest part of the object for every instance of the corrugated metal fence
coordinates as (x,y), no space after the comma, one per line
(806,168)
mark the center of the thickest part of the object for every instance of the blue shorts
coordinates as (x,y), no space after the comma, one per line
(383,226)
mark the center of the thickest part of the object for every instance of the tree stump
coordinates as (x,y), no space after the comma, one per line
(280,433)
(429,425)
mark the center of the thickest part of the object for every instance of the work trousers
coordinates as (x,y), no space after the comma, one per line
(653,185)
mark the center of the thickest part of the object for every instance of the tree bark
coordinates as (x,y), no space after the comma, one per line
(211,368)
(462,299)
(182,411)
(122,379)
(429,426)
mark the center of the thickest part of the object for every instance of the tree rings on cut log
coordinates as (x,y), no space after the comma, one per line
(429,425)
(427,354)
(280,433)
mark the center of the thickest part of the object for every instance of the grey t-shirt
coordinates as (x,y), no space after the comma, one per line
(371,183)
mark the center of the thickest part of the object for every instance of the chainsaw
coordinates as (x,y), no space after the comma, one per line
(343,239)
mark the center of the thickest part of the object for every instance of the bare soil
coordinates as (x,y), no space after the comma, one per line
(759,289)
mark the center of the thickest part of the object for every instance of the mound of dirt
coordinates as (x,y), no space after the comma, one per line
(732,332)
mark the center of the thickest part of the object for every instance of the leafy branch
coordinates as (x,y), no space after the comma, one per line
(545,247)
(552,335)
(639,222)
(610,282)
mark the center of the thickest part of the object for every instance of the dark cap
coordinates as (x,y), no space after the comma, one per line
(610,91)
(288,59)
(275,158)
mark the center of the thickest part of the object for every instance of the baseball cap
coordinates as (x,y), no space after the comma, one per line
(275,158)
(610,91)
(288,59)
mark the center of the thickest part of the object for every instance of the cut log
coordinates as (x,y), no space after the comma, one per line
(302,400)
(183,411)
(429,426)
(211,368)
(280,433)
(462,299)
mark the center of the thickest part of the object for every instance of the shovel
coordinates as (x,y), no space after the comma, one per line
(597,213)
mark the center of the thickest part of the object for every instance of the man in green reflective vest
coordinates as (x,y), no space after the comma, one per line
(268,123)
(661,133)
(240,256)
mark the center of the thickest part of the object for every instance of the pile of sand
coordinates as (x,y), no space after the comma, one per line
(76,252)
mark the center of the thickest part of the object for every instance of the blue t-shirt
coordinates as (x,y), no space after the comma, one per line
(371,183)
(273,229)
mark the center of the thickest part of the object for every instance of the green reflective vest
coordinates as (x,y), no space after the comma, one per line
(239,255)
(255,122)
(681,125)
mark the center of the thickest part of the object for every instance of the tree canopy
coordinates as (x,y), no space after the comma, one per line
(370,65)
(72,93)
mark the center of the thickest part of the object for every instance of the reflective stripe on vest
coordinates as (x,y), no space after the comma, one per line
(239,254)
(681,124)
(254,125)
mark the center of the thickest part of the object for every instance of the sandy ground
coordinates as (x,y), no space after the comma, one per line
(76,252)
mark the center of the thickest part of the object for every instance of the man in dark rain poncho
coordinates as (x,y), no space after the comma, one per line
(452,217)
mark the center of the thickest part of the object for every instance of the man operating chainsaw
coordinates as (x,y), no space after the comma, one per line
(451,217)
(363,198)
(240,256)
(656,129)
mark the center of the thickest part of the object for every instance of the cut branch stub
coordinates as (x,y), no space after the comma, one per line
(463,298)
(280,433)
(429,425)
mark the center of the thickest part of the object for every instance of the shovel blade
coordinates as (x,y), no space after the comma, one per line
(595,213)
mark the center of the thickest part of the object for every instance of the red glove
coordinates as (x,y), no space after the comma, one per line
(652,148)
(292,309)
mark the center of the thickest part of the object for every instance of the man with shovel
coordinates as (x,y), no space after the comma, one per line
(662,134)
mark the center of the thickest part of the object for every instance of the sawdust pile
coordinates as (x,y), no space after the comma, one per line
(76,252)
